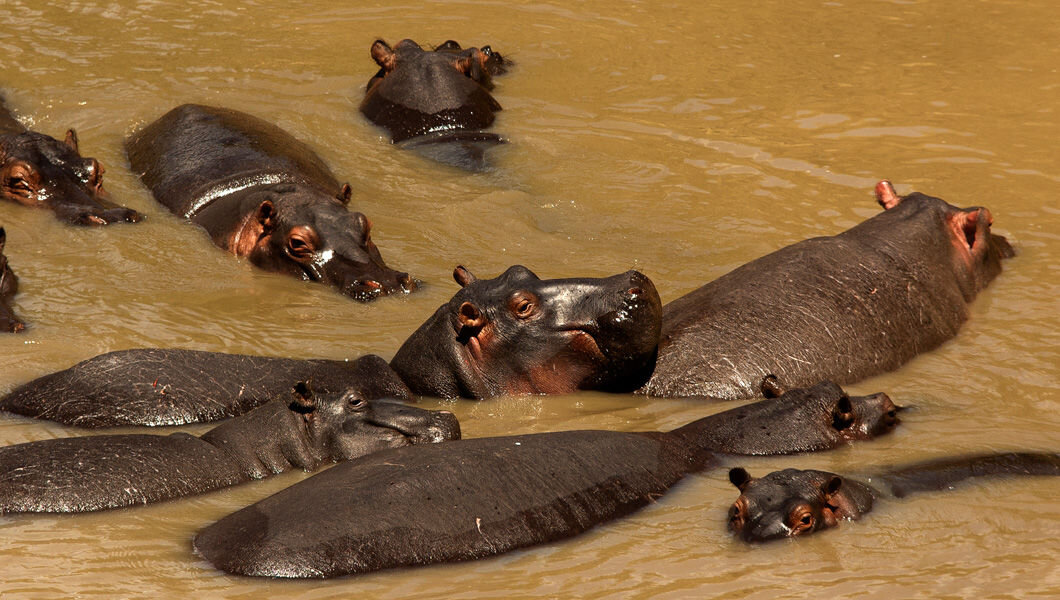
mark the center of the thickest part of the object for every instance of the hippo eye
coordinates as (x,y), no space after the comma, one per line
(357,402)
(523,305)
(801,520)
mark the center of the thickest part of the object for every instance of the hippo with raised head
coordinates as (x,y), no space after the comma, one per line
(519,334)
(8,288)
(437,101)
(845,307)
(263,195)
(481,497)
(160,386)
(792,503)
(100,472)
(39,170)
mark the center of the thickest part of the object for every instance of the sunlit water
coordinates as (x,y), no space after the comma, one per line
(681,139)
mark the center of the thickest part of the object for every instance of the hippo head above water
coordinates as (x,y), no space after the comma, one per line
(293,231)
(39,170)
(518,334)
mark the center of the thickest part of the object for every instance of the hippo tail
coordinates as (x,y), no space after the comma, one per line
(943,474)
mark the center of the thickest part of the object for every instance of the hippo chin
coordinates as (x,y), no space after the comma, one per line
(437,102)
(8,288)
(101,472)
(263,195)
(40,171)
(795,503)
(518,334)
(470,499)
(844,307)
(168,386)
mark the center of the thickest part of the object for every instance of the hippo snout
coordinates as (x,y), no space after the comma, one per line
(367,289)
(443,427)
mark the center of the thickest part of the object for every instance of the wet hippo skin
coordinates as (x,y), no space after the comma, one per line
(475,498)
(843,307)
(8,288)
(101,472)
(263,195)
(794,503)
(40,171)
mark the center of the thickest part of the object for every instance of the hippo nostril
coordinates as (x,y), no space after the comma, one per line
(635,291)
(372,284)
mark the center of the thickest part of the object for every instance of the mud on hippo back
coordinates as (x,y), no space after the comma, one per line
(40,171)
(844,307)
(437,102)
(263,195)
(8,288)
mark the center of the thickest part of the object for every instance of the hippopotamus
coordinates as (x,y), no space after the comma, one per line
(470,499)
(39,170)
(157,386)
(519,334)
(845,307)
(8,288)
(793,502)
(263,195)
(438,102)
(100,472)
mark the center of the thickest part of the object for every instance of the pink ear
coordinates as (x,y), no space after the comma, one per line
(886,195)
(345,193)
(463,276)
(71,140)
(383,55)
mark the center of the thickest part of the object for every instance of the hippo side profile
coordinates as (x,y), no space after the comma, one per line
(157,386)
(476,498)
(263,195)
(8,288)
(843,307)
(519,334)
(793,503)
(437,101)
(39,170)
(100,472)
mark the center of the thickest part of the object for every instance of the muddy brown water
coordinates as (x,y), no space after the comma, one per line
(681,139)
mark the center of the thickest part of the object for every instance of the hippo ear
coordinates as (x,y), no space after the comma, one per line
(449,45)
(843,414)
(770,386)
(463,276)
(383,55)
(345,193)
(71,140)
(303,401)
(886,195)
(3,238)
(832,486)
(266,217)
(739,477)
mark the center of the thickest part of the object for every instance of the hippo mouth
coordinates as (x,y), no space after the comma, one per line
(583,341)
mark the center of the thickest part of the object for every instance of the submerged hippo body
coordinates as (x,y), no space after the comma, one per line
(437,101)
(844,307)
(39,170)
(793,503)
(476,498)
(263,195)
(8,288)
(92,473)
(518,334)
(156,386)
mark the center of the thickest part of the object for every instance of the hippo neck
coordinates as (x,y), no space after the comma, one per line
(266,441)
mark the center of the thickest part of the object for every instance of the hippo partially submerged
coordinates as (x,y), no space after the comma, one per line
(39,170)
(263,195)
(793,503)
(437,101)
(481,497)
(160,386)
(100,472)
(8,288)
(843,307)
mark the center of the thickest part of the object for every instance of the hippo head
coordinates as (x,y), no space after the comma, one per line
(346,425)
(39,170)
(8,288)
(976,252)
(518,334)
(792,503)
(418,92)
(292,231)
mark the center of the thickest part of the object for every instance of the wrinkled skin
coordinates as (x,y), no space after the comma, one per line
(436,101)
(157,386)
(844,307)
(263,195)
(475,498)
(794,503)
(101,472)
(8,288)
(518,334)
(40,171)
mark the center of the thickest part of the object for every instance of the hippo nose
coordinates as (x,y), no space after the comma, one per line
(889,410)
(405,282)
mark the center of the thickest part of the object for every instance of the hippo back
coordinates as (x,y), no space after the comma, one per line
(195,154)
